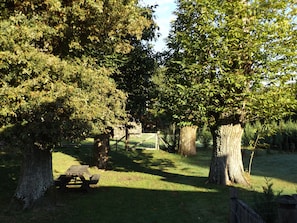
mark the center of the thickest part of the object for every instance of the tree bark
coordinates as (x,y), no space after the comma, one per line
(101,150)
(36,180)
(187,141)
(226,165)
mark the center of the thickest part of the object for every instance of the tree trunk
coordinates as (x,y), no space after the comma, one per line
(187,141)
(36,180)
(101,150)
(226,165)
(127,136)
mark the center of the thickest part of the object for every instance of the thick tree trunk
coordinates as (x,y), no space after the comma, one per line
(36,180)
(101,150)
(226,165)
(187,141)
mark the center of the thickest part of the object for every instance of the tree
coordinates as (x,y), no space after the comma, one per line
(178,102)
(135,75)
(187,140)
(56,58)
(238,57)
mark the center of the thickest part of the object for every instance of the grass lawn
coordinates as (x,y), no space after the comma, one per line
(147,186)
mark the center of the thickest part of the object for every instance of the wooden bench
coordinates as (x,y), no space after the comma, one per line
(77,175)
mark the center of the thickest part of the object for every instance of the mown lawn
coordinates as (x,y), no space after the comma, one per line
(147,186)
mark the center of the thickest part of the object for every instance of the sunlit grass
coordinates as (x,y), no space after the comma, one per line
(61,162)
(280,168)
(151,186)
(154,186)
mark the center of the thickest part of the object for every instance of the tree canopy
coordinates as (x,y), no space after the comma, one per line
(56,61)
(232,59)
(230,62)
(136,73)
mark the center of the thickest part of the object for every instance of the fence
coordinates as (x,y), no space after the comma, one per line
(241,212)
(149,141)
(283,209)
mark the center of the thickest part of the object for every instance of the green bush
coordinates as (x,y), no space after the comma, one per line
(205,137)
(265,203)
(249,135)
(280,135)
(170,137)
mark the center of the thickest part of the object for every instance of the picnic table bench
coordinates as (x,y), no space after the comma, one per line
(77,175)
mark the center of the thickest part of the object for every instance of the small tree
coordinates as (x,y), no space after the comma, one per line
(266,204)
(179,103)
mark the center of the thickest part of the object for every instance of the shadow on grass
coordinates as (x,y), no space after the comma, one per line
(142,205)
(202,159)
(281,166)
(272,164)
(144,162)
(199,203)
(82,152)
(137,161)
(119,204)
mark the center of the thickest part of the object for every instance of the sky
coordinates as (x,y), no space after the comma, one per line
(164,15)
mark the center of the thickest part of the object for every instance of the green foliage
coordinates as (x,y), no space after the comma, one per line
(265,203)
(56,59)
(284,138)
(255,132)
(248,137)
(279,135)
(177,102)
(205,137)
(135,75)
(230,61)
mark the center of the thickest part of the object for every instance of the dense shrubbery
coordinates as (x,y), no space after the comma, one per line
(205,137)
(280,135)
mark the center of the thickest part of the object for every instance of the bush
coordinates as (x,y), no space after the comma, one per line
(205,137)
(280,135)
(249,135)
(265,204)
(170,137)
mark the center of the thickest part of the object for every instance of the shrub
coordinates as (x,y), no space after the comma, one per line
(280,135)
(249,135)
(205,137)
(265,203)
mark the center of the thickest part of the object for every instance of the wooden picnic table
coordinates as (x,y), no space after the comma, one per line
(77,175)
(77,170)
